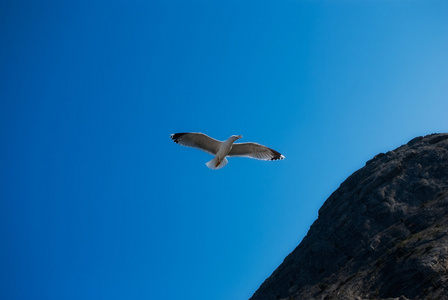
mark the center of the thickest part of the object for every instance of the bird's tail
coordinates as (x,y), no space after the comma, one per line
(216,164)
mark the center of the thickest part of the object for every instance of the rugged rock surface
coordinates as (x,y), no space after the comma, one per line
(383,234)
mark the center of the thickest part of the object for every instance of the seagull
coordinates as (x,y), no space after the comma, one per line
(221,149)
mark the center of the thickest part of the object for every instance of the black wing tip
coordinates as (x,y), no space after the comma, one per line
(175,136)
(276,155)
(278,158)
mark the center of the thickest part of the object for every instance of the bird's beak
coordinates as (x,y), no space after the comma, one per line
(240,136)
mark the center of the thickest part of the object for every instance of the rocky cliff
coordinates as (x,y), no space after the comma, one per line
(382,234)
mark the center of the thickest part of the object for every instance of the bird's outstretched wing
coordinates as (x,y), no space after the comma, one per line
(254,150)
(197,140)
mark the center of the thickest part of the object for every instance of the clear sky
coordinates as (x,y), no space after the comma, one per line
(97,202)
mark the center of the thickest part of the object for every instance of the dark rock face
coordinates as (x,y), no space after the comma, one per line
(383,234)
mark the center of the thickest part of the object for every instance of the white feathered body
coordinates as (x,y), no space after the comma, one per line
(220,160)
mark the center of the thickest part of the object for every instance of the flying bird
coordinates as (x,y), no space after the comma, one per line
(221,149)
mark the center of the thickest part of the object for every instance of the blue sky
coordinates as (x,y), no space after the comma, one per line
(98,203)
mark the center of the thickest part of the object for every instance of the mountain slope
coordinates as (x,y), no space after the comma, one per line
(382,234)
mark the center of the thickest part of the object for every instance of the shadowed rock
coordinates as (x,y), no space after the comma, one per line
(383,234)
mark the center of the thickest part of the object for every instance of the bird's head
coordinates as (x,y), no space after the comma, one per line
(236,137)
